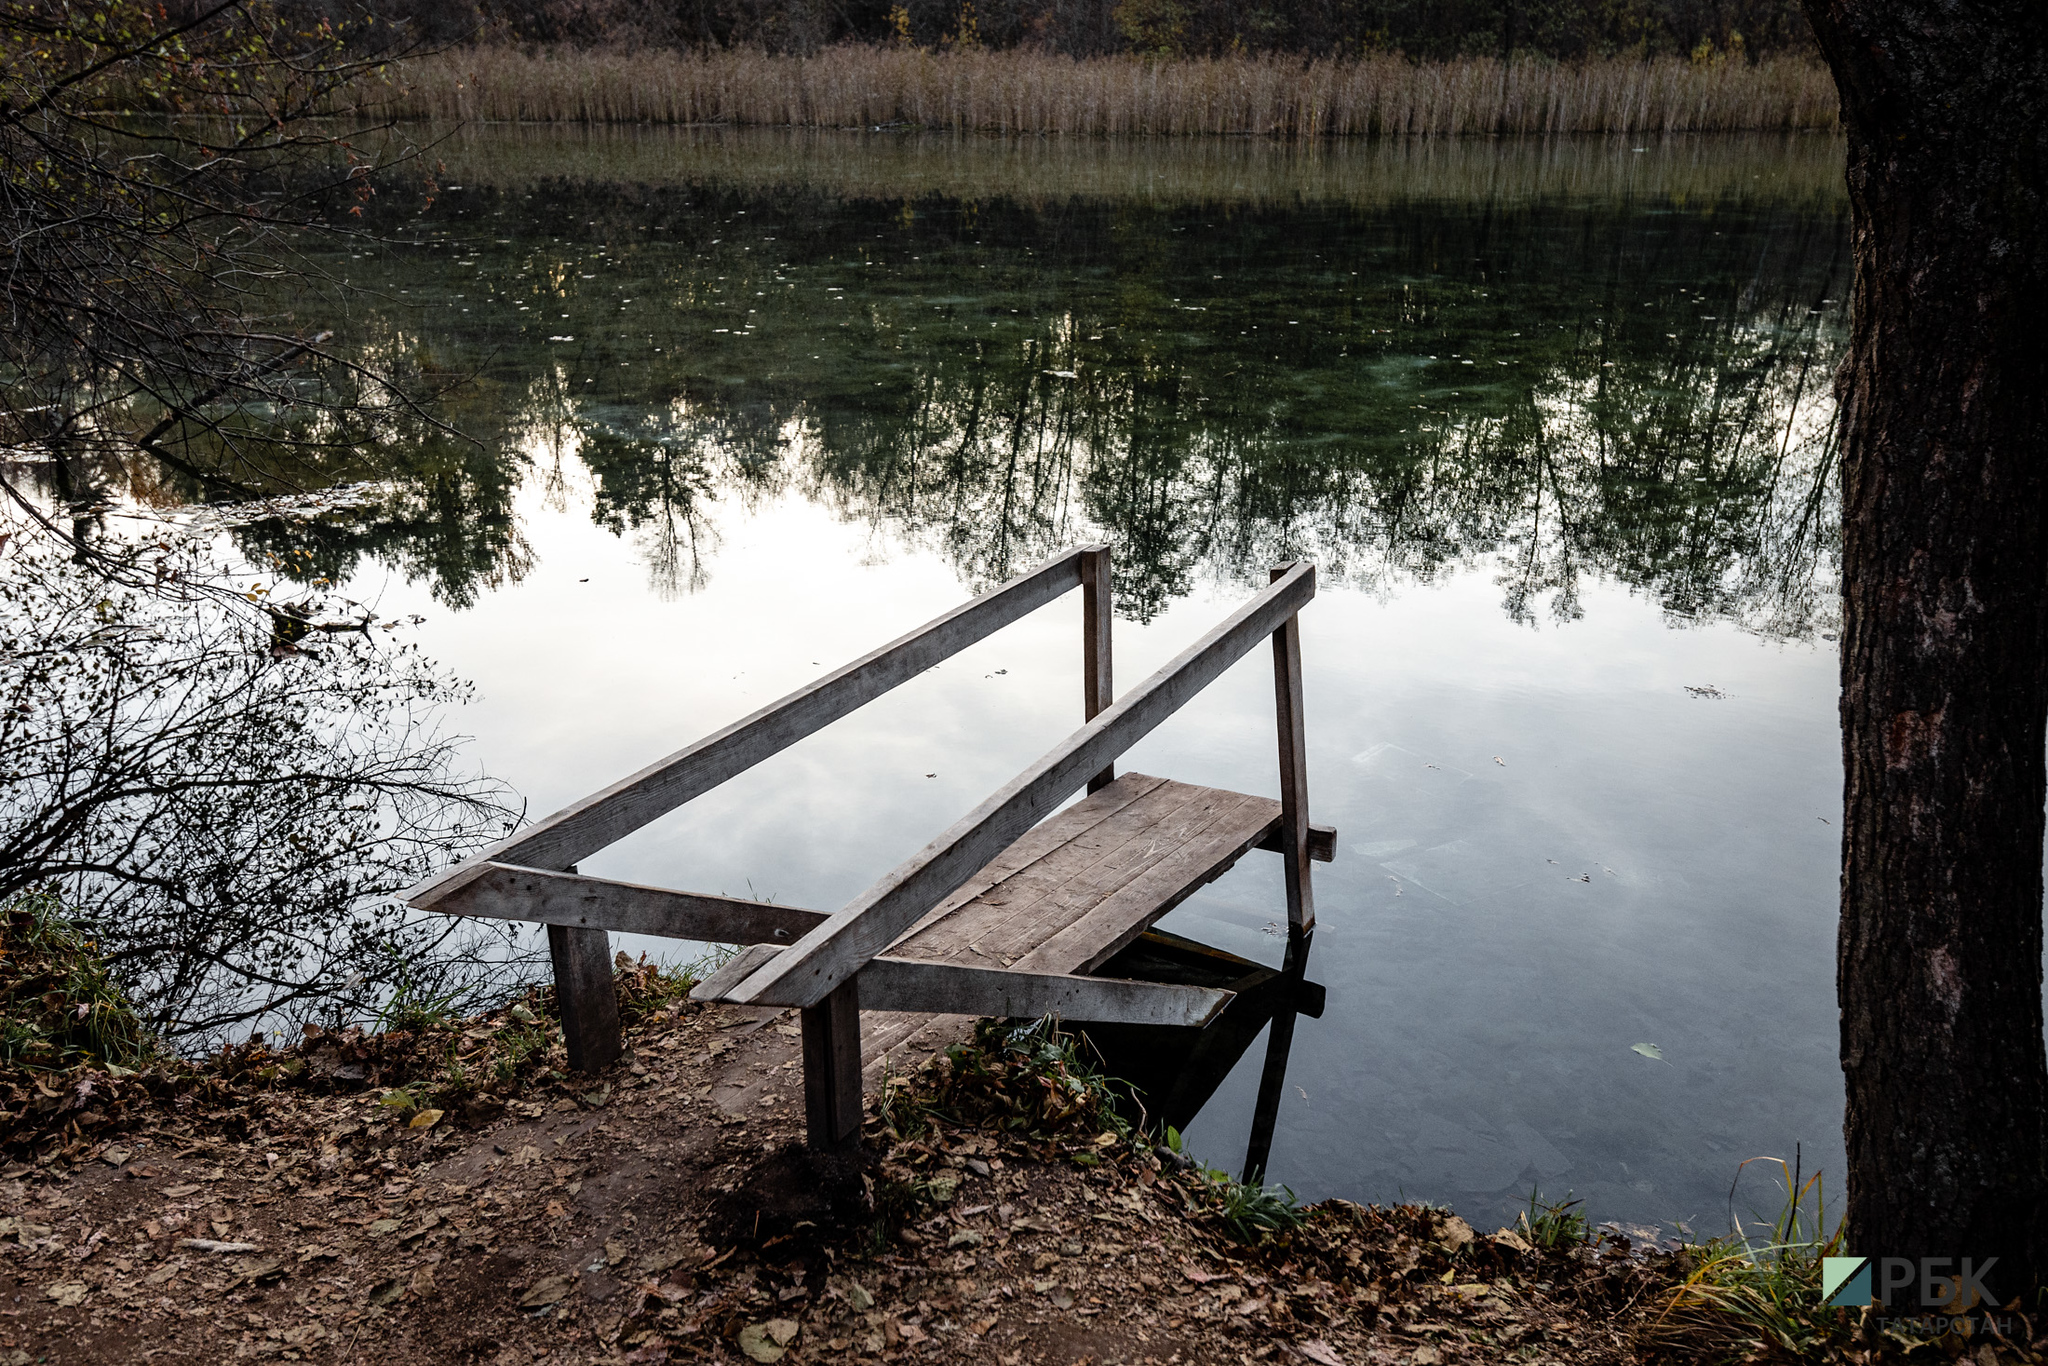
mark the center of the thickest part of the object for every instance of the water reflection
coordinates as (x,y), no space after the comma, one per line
(1551,387)
(1177,1071)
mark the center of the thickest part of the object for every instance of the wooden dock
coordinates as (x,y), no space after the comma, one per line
(1010,913)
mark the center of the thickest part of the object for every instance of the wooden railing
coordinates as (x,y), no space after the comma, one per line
(816,961)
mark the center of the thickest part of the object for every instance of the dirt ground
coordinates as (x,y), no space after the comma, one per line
(658,1213)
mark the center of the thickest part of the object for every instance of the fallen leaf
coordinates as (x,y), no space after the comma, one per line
(269,1268)
(766,1342)
(1320,1352)
(1426,1356)
(380,1227)
(1457,1233)
(965,1237)
(1648,1050)
(115,1157)
(553,1290)
(660,1260)
(425,1119)
(180,1192)
(1507,1237)
(67,1293)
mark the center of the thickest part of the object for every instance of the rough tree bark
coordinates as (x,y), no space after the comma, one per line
(1944,397)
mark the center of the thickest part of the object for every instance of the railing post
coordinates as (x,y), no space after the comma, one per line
(831,1031)
(1301,903)
(585,996)
(1097,687)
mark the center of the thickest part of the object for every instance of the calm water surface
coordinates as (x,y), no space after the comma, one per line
(1551,421)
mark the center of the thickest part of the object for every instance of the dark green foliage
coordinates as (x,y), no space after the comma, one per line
(1420,28)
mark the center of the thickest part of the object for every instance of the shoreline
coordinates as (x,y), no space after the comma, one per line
(281,1204)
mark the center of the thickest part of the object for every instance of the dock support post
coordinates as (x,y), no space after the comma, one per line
(831,1031)
(1097,687)
(1301,902)
(585,996)
(1273,1076)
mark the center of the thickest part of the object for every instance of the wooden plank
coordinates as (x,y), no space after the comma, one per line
(580,830)
(1043,841)
(586,996)
(501,892)
(1174,839)
(836,949)
(1098,687)
(953,989)
(1301,900)
(1322,843)
(949,988)
(736,970)
(831,1035)
(1014,913)
(1093,939)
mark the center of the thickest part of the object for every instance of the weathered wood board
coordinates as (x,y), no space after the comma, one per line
(1092,878)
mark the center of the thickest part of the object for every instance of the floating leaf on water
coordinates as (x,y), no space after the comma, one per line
(1648,1050)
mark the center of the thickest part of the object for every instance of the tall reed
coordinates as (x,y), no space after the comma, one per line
(1019,91)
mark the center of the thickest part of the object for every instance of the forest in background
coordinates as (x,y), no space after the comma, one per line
(1433,30)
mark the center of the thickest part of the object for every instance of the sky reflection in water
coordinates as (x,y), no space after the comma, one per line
(1551,422)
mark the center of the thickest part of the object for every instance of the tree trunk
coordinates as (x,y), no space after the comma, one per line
(1944,404)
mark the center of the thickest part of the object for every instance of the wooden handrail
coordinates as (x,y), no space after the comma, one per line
(580,830)
(833,952)
(500,891)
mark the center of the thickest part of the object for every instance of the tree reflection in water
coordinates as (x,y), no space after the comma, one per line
(1625,384)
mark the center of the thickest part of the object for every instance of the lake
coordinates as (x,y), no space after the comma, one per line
(1551,420)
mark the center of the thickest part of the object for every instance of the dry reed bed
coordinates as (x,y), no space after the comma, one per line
(1033,92)
(1785,168)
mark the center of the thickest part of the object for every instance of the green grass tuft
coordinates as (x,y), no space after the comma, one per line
(1552,1225)
(1757,1291)
(60,1007)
